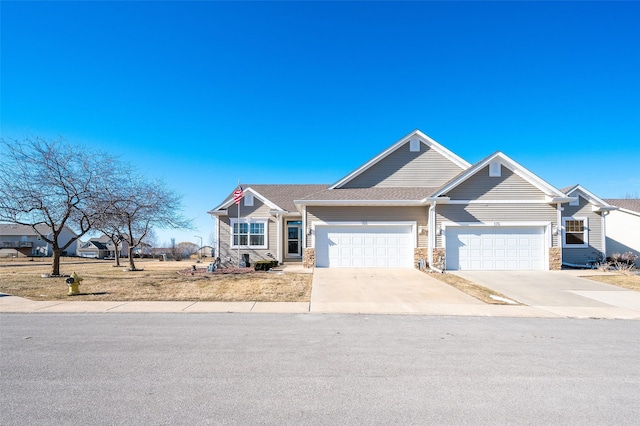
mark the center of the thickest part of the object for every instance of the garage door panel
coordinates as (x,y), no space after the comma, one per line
(494,248)
(364,246)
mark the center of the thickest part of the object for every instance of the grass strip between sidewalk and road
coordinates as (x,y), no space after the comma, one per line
(481,293)
(628,281)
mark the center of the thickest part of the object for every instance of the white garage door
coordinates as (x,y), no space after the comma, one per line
(364,246)
(493,248)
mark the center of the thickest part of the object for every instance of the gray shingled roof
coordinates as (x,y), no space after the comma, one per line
(22,230)
(567,189)
(283,195)
(632,204)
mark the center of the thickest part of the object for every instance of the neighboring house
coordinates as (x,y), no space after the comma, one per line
(142,250)
(623,227)
(24,239)
(102,247)
(415,203)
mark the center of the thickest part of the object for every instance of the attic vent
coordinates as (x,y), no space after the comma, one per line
(575,202)
(248,199)
(495,168)
(414,145)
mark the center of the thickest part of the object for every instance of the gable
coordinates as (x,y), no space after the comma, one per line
(380,175)
(596,203)
(499,177)
(258,209)
(425,167)
(507,186)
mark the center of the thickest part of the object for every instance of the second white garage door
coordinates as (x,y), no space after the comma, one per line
(364,246)
(495,248)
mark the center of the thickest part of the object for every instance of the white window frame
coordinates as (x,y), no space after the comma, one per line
(249,221)
(585,232)
(248,200)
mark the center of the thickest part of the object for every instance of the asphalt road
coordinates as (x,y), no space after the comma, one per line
(152,369)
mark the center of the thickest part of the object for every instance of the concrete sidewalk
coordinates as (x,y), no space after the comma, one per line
(373,292)
(12,304)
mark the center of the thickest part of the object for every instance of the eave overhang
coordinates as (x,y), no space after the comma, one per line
(301,203)
(551,199)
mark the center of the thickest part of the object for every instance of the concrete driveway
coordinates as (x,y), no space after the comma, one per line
(557,291)
(381,290)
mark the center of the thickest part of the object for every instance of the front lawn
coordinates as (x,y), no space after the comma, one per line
(158,281)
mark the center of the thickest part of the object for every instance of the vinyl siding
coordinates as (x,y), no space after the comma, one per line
(509,186)
(369,214)
(403,168)
(582,255)
(490,213)
(258,211)
(623,233)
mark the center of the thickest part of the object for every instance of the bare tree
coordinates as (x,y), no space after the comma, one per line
(140,206)
(174,250)
(51,183)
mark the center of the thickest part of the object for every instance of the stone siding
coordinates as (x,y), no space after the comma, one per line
(309,258)
(439,258)
(418,254)
(555,258)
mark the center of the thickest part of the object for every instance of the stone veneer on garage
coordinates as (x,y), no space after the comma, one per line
(555,258)
(439,258)
(309,258)
(418,254)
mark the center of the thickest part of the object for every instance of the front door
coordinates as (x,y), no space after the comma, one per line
(294,241)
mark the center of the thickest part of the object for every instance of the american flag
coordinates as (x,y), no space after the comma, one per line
(238,194)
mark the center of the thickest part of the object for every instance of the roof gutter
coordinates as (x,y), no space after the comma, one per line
(434,200)
(560,199)
(359,202)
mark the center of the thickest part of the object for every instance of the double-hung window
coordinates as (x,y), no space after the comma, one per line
(249,233)
(575,232)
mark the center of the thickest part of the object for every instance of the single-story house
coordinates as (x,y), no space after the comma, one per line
(623,227)
(416,204)
(101,247)
(25,240)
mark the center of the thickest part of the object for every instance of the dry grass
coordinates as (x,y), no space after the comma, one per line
(474,290)
(628,281)
(158,281)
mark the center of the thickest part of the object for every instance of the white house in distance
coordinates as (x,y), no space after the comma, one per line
(623,227)
(23,239)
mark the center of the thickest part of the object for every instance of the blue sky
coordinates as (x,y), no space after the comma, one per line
(202,94)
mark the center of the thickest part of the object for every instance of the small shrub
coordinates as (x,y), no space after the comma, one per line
(265,265)
(624,262)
